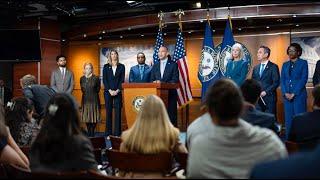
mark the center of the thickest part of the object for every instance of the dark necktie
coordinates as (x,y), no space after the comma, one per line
(141,72)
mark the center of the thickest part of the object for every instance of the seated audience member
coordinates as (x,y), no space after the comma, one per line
(22,126)
(298,166)
(251,90)
(306,126)
(151,133)
(201,125)
(233,146)
(10,153)
(60,145)
(38,94)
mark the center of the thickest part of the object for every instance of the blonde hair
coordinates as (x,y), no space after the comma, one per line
(84,66)
(152,131)
(237,45)
(109,57)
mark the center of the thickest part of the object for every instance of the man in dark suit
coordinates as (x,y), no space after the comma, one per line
(267,73)
(38,94)
(140,73)
(251,90)
(167,71)
(299,166)
(316,75)
(306,126)
(5,93)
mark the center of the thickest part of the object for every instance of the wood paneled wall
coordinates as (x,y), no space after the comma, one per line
(50,48)
(80,52)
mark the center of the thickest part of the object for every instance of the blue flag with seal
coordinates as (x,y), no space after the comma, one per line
(225,48)
(209,65)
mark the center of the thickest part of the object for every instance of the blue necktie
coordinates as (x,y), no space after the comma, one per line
(261,69)
(141,71)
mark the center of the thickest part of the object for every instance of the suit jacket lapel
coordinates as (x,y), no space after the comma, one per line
(166,69)
(265,70)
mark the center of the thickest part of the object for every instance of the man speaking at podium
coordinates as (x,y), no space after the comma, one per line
(166,71)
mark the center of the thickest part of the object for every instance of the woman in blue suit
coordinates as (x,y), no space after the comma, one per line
(113,77)
(294,76)
(237,68)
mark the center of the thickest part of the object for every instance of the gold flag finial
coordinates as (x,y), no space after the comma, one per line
(160,16)
(179,13)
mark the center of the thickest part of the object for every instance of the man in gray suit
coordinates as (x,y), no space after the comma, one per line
(62,79)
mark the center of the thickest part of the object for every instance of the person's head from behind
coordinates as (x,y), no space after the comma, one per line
(152,131)
(27,80)
(316,96)
(163,53)
(62,115)
(224,102)
(19,110)
(251,90)
(61,60)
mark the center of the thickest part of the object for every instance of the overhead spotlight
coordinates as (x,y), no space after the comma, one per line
(294,15)
(190,32)
(84,35)
(239,29)
(130,2)
(63,40)
(142,35)
(99,44)
(198,4)
(279,20)
(103,32)
(213,30)
(165,34)
(297,25)
(201,21)
(100,37)
(268,27)
(129,28)
(246,18)
(121,37)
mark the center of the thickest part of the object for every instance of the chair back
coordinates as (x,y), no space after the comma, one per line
(115,142)
(293,147)
(98,142)
(161,162)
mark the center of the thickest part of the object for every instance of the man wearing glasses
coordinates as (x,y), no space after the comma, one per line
(140,73)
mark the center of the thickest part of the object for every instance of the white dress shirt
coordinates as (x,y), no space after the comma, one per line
(163,64)
(114,68)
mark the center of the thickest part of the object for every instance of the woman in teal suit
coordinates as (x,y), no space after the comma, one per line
(293,80)
(237,68)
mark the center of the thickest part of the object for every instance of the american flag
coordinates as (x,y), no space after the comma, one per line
(159,43)
(179,56)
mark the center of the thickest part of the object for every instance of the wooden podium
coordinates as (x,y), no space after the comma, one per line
(135,93)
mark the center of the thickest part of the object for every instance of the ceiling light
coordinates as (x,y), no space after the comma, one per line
(141,35)
(239,29)
(100,37)
(84,35)
(121,37)
(198,4)
(189,32)
(103,32)
(130,2)
(165,34)
(294,16)
(297,25)
(201,21)
(267,27)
